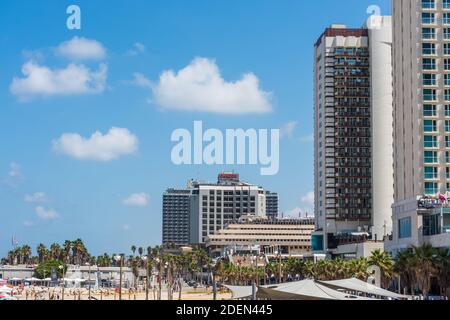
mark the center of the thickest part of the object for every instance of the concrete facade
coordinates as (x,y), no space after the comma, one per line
(421,69)
(353,133)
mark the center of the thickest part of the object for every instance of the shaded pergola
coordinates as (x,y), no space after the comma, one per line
(357,287)
(299,290)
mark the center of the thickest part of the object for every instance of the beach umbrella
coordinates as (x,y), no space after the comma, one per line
(5,289)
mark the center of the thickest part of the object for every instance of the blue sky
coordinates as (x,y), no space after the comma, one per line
(81,193)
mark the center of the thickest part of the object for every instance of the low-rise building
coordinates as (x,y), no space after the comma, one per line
(251,234)
(418,221)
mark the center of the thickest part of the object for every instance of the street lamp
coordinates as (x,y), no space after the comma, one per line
(89,279)
(278,254)
(145,259)
(61,267)
(159,262)
(119,259)
(168,281)
(254,259)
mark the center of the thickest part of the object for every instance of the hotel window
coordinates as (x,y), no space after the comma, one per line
(447,157)
(446,33)
(429,79)
(446,64)
(431,188)
(446,4)
(404,228)
(429,33)
(446,79)
(429,110)
(446,47)
(429,64)
(428,48)
(446,18)
(447,142)
(428,18)
(428,4)
(447,95)
(429,126)
(447,173)
(430,157)
(447,110)
(429,94)
(431,173)
(430,142)
(447,125)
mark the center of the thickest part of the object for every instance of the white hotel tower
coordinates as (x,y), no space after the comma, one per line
(421,68)
(353,136)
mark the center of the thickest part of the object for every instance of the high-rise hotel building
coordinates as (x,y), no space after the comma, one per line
(201,209)
(421,69)
(353,134)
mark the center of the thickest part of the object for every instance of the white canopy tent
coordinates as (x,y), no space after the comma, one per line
(356,285)
(299,290)
(240,292)
(32,279)
(303,290)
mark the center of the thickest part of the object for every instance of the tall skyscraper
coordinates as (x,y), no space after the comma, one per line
(421,69)
(202,208)
(272,205)
(353,134)
(176,216)
(218,204)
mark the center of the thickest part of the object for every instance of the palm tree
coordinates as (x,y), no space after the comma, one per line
(404,267)
(55,251)
(134,264)
(442,263)
(67,247)
(140,251)
(133,249)
(41,252)
(424,257)
(11,257)
(383,261)
(26,253)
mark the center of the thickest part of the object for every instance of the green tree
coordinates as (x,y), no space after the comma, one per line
(44,269)
(383,261)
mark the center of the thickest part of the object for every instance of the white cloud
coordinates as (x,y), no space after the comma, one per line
(137,49)
(137,200)
(99,147)
(14,177)
(14,170)
(28,223)
(287,130)
(81,49)
(126,227)
(46,214)
(200,87)
(75,79)
(38,197)
(308,199)
(141,81)
(307,139)
(305,209)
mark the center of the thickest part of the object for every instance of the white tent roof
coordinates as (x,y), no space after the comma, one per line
(303,290)
(240,292)
(354,284)
(32,279)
